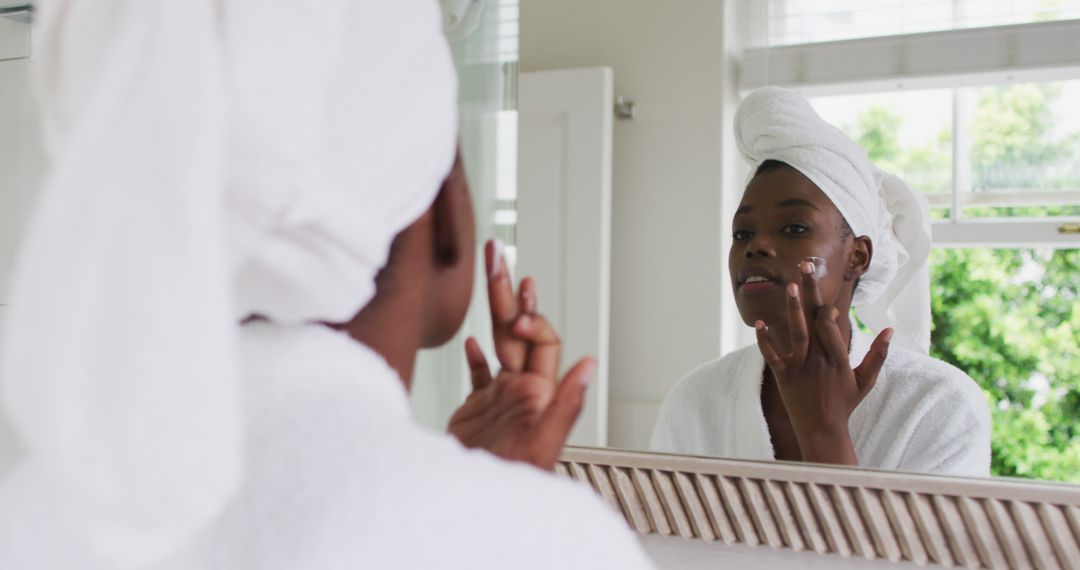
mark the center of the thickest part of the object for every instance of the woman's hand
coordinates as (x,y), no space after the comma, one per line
(817,384)
(524,413)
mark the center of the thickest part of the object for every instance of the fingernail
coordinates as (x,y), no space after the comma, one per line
(496,258)
(760,325)
(530,299)
(793,289)
(888,335)
(817,266)
(590,371)
(835,313)
(806,267)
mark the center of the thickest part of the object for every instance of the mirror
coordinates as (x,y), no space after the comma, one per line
(627,181)
(628,177)
(994,150)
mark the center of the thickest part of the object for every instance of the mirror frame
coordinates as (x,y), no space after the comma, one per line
(894,516)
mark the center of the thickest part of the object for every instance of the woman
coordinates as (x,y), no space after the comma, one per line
(819,230)
(246,234)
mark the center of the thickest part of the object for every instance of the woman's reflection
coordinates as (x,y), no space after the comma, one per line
(818,231)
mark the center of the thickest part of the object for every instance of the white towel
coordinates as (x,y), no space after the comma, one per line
(339,476)
(778,124)
(208,160)
(923,415)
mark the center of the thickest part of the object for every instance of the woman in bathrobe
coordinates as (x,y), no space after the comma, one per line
(246,234)
(815,388)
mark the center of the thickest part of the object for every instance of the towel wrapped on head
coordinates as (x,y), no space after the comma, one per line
(209,161)
(779,124)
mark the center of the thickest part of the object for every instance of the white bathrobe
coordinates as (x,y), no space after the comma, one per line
(340,476)
(922,415)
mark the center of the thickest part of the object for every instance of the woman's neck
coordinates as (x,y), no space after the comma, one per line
(392,331)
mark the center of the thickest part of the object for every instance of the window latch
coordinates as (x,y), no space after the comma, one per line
(1070,228)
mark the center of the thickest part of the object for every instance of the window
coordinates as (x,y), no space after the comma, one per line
(973,104)
(806,21)
(999,151)
(908,133)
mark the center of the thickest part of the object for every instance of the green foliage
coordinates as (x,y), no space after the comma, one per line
(1011,124)
(878,128)
(926,167)
(1010,318)
(1015,143)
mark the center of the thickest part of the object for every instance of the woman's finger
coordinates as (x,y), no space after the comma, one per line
(867,372)
(504,309)
(527,295)
(765,345)
(544,345)
(828,334)
(504,305)
(478,366)
(562,414)
(800,337)
(811,292)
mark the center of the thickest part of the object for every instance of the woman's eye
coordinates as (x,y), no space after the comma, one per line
(794,229)
(740,235)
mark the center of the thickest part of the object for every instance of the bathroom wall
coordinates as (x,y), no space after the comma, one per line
(668,287)
(21,165)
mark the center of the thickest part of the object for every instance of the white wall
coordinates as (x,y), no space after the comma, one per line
(668,271)
(21,165)
(21,157)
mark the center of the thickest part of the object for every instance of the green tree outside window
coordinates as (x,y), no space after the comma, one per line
(1010,318)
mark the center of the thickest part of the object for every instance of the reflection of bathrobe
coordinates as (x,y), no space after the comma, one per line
(339,476)
(923,415)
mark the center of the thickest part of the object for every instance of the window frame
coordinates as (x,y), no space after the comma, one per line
(957,59)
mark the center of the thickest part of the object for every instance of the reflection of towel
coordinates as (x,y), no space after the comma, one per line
(922,416)
(778,124)
(338,475)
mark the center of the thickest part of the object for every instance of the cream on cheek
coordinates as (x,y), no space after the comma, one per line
(828,272)
(820,267)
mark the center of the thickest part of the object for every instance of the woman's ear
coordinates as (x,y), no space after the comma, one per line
(450,283)
(454,228)
(862,251)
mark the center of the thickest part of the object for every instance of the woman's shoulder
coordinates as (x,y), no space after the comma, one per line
(920,374)
(934,412)
(510,498)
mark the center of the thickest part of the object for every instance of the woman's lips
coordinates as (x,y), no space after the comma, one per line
(757,286)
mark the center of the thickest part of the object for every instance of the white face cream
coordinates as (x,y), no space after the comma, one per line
(819,266)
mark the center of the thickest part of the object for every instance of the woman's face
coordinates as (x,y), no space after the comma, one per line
(782,220)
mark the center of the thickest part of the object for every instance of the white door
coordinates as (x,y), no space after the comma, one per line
(564,217)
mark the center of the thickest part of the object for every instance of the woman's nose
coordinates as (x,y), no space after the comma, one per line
(760,247)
